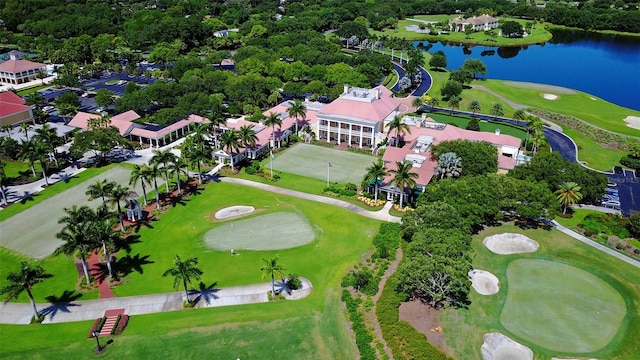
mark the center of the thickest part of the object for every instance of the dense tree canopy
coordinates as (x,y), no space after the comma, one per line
(478,157)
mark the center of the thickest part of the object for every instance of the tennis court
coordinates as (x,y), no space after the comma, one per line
(313,161)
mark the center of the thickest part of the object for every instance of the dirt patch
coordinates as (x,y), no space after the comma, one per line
(509,243)
(426,320)
(484,282)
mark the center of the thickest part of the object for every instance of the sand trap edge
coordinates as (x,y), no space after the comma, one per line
(484,282)
(496,343)
(233,211)
(510,243)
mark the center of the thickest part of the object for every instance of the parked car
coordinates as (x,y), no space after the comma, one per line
(612,191)
(637,173)
(121,82)
(618,169)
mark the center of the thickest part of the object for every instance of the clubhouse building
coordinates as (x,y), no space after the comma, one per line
(13,109)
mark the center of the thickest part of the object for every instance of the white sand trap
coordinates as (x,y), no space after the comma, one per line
(550,96)
(281,230)
(633,121)
(509,243)
(499,347)
(484,282)
(234,211)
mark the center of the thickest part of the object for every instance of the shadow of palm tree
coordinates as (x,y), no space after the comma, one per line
(61,303)
(100,272)
(192,189)
(281,286)
(145,221)
(124,243)
(128,264)
(206,293)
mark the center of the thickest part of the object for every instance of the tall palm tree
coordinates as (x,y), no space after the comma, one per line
(272,120)
(297,110)
(433,103)
(24,280)
(101,230)
(76,236)
(538,139)
(449,165)
(496,110)
(3,180)
(568,193)
(41,155)
(376,172)
(271,267)
(247,136)
(230,142)
(154,171)
(454,103)
(417,102)
(49,137)
(403,177)
(117,194)
(196,156)
(520,115)
(183,271)
(178,167)
(25,127)
(28,151)
(141,174)
(474,107)
(101,188)
(200,134)
(164,158)
(399,127)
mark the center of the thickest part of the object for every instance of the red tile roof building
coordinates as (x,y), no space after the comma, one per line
(13,109)
(17,71)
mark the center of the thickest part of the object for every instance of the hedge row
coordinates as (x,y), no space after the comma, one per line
(387,240)
(403,339)
(363,337)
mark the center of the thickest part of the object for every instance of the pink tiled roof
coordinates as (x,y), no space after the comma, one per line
(375,111)
(11,103)
(149,134)
(505,162)
(16,66)
(121,121)
(81,120)
(128,116)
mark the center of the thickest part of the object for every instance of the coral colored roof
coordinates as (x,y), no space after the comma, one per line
(150,134)
(81,120)
(16,66)
(121,121)
(374,111)
(11,103)
(505,162)
(128,116)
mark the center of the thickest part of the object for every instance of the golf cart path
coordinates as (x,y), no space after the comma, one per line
(382,214)
(21,313)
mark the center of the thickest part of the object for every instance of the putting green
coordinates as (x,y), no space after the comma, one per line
(560,307)
(276,231)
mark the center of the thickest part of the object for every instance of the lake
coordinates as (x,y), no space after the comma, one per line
(607,66)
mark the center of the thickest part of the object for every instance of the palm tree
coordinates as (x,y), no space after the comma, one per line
(7,128)
(29,151)
(403,177)
(568,194)
(25,127)
(101,230)
(117,194)
(177,167)
(196,156)
(183,271)
(449,165)
(496,110)
(230,142)
(24,280)
(272,268)
(141,174)
(519,115)
(153,173)
(297,110)
(272,120)
(101,188)
(433,103)
(40,154)
(76,235)
(247,136)
(454,103)
(3,180)
(164,157)
(376,172)
(400,128)
(49,137)
(417,102)
(538,139)
(474,107)
(274,97)
(201,133)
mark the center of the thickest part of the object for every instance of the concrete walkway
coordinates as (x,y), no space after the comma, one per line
(382,214)
(21,313)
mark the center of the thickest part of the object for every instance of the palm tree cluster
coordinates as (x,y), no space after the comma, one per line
(39,148)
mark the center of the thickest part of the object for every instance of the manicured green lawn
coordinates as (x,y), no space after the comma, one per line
(311,328)
(462,122)
(464,328)
(30,90)
(560,307)
(15,169)
(577,218)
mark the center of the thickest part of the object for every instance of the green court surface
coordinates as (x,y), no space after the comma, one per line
(561,307)
(313,161)
(281,230)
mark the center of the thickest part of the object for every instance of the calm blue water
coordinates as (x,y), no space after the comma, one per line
(602,65)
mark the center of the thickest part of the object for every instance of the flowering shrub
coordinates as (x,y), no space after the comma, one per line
(371,202)
(404,209)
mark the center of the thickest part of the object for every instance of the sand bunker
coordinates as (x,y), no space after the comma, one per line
(508,243)
(632,121)
(550,96)
(234,211)
(484,282)
(499,347)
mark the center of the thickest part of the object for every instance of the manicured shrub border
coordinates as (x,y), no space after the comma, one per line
(363,337)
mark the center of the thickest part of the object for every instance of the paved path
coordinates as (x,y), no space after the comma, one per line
(21,313)
(596,245)
(382,214)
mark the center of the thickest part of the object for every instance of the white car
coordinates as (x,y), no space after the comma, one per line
(121,82)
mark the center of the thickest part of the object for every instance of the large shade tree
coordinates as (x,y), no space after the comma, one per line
(24,280)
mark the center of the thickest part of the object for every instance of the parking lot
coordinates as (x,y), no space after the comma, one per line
(628,192)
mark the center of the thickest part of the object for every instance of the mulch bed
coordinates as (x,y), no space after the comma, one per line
(426,320)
